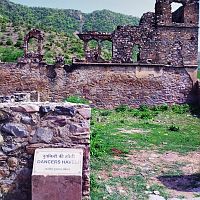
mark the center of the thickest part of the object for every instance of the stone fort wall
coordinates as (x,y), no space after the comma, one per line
(105,85)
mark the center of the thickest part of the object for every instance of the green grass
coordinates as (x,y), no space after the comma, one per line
(198,75)
(159,128)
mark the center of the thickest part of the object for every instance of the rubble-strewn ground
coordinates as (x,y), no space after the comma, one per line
(146,153)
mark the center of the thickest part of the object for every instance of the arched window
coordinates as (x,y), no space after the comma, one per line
(135,53)
(106,50)
(177,10)
(32,45)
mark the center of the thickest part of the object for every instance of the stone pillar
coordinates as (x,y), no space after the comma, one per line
(25,127)
(85,49)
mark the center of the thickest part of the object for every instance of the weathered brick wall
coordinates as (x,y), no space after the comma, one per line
(27,126)
(198,91)
(163,37)
(106,85)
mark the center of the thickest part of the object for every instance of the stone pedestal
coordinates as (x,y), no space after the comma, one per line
(26,127)
(56,187)
(57,174)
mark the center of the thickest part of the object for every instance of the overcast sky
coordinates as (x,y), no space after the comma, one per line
(129,7)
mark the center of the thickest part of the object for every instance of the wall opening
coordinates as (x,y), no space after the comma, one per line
(135,53)
(94,51)
(106,50)
(177,10)
(33,45)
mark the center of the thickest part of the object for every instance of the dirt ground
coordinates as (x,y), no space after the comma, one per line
(179,174)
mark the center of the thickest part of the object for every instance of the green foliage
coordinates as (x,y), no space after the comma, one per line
(174,128)
(117,136)
(121,108)
(107,21)
(10,54)
(19,44)
(77,99)
(180,109)
(59,26)
(63,20)
(198,75)
(9,42)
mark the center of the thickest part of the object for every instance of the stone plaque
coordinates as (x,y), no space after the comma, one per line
(58,162)
(57,174)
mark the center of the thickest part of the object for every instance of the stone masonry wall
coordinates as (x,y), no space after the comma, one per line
(106,85)
(27,126)
(198,92)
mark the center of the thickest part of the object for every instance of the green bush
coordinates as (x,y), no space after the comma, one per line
(9,42)
(76,99)
(162,108)
(105,113)
(10,54)
(18,44)
(122,108)
(180,109)
(174,128)
(144,108)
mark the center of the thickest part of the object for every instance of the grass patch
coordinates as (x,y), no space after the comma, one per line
(160,128)
(76,99)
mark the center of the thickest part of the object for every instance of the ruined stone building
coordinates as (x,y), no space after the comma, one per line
(152,63)
(163,37)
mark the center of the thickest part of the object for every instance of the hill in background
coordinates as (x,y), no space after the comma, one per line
(59,27)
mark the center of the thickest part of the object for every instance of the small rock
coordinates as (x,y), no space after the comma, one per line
(4,116)
(147,192)
(14,130)
(30,108)
(3,157)
(70,111)
(155,197)
(44,109)
(42,135)
(27,120)
(60,122)
(1,140)
(12,163)
(9,148)
(108,188)
(73,128)
(122,192)
(85,112)
(156,192)
(4,172)
(175,199)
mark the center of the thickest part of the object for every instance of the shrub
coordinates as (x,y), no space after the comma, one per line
(10,54)
(18,43)
(174,128)
(105,113)
(180,109)
(121,108)
(144,108)
(77,99)
(9,42)
(163,107)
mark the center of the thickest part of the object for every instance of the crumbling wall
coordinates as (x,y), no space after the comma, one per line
(163,37)
(106,85)
(27,126)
